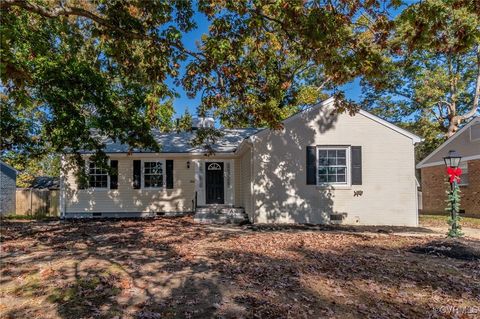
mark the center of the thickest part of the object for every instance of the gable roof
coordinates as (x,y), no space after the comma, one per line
(8,170)
(232,138)
(181,142)
(460,132)
(2,163)
(329,102)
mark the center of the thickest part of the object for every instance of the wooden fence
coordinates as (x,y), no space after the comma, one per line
(37,202)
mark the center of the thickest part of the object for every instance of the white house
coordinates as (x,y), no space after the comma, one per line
(322,167)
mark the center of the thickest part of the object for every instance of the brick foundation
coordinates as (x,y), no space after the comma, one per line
(434,186)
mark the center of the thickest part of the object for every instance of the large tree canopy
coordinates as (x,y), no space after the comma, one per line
(68,68)
(71,68)
(264,59)
(432,82)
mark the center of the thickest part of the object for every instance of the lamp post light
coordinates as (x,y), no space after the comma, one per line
(452,161)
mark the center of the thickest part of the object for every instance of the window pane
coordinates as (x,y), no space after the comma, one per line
(153,181)
(147,180)
(323,161)
(332,166)
(332,170)
(322,170)
(153,174)
(331,161)
(97,177)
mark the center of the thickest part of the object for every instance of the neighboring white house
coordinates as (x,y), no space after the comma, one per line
(8,180)
(322,167)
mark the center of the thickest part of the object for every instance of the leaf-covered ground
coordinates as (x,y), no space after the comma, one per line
(173,268)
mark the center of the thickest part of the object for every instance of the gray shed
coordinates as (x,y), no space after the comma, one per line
(8,181)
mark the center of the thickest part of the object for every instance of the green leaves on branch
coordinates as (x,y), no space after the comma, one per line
(75,71)
(433,75)
(453,205)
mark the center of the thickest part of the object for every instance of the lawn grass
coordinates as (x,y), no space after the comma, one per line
(174,268)
(441,221)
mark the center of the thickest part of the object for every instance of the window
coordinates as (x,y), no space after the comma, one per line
(97,176)
(332,165)
(464,176)
(153,174)
(214,167)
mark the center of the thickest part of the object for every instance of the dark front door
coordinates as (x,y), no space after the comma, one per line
(214,183)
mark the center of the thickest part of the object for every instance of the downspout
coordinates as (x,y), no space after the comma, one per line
(250,144)
(415,184)
(62,187)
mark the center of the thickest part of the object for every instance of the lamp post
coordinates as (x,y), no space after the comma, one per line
(452,161)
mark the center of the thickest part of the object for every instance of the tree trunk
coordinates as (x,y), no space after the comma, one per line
(453,126)
(455,120)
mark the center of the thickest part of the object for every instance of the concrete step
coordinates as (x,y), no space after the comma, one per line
(220,215)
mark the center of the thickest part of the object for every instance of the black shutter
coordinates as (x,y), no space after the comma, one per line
(311,165)
(169,166)
(83,179)
(356,165)
(114,174)
(137,174)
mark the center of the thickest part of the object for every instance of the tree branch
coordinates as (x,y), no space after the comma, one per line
(80,12)
(476,97)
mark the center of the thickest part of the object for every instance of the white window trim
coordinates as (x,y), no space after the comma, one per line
(462,166)
(348,183)
(87,168)
(164,174)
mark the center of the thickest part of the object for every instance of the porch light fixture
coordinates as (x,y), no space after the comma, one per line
(188,164)
(452,159)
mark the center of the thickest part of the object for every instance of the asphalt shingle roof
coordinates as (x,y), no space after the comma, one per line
(182,142)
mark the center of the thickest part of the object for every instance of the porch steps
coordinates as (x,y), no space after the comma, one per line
(220,215)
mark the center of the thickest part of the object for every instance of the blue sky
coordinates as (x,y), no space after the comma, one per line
(352,90)
(183,102)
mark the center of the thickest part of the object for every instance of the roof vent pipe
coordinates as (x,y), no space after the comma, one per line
(203,122)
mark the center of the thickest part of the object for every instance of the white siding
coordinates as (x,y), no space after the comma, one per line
(125,199)
(238,183)
(282,195)
(246,182)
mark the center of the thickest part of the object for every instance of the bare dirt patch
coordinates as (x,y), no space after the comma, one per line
(453,248)
(173,268)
